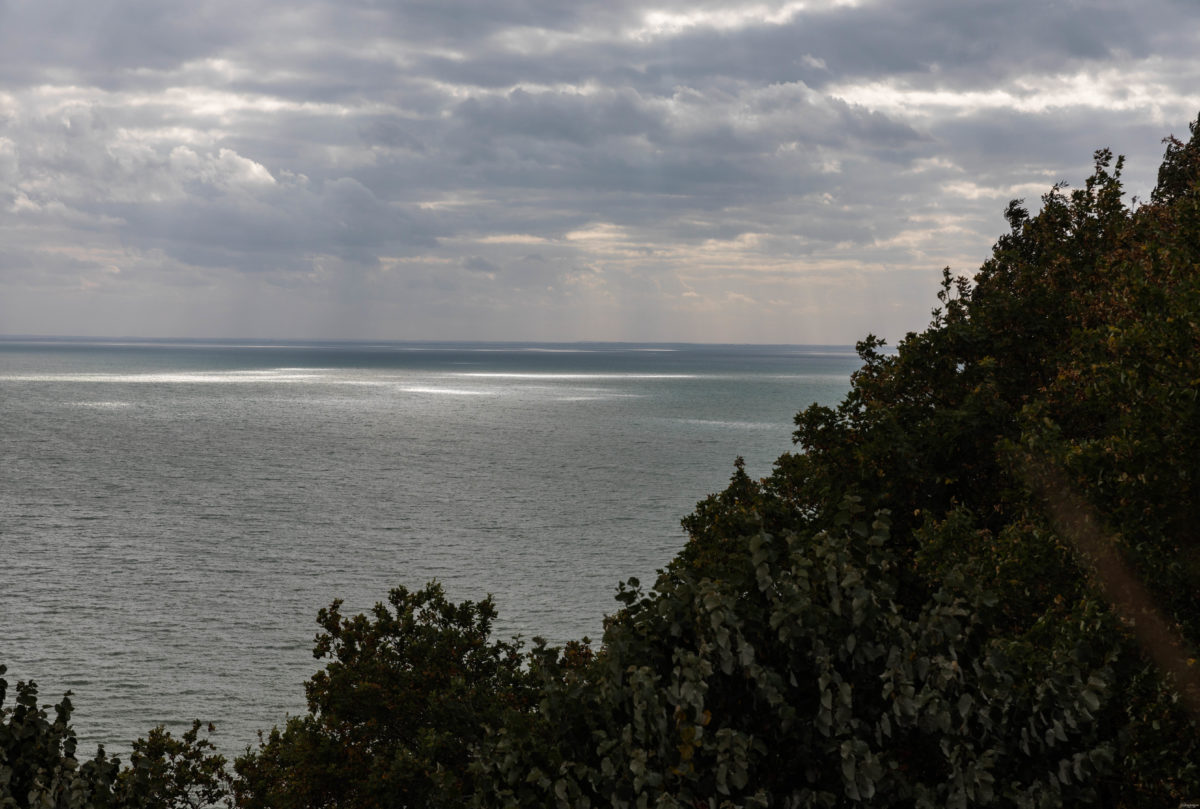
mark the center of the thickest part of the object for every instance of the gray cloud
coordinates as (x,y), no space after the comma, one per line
(524,169)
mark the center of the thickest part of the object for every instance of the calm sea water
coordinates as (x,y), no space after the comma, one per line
(172,515)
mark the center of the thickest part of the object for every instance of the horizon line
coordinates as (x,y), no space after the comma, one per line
(273,341)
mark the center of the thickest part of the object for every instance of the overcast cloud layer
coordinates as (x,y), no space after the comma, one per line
(537,170)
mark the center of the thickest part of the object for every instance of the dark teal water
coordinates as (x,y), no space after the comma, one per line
(172,515)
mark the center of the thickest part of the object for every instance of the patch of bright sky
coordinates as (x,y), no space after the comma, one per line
(970,190)
(599,232)
(454,200)
(536,41)
(658,23)
(221,104)
(1109,89)
(511,238)
(195,100)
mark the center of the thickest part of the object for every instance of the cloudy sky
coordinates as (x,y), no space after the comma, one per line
(784,172)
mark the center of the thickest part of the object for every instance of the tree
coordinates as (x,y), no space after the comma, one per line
(39,767)
(179,773)
(1017,623)
(799,680)
(393,718)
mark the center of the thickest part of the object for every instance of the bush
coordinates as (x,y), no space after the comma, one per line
(39,768)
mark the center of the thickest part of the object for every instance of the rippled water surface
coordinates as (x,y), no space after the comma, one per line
(173,515)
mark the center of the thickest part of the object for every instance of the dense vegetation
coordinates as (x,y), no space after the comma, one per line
(973,584)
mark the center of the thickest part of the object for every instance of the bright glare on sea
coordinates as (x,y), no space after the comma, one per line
(172,515)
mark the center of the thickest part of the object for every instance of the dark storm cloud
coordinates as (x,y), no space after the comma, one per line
(479,165)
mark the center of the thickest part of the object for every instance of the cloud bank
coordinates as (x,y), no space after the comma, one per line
(525,170)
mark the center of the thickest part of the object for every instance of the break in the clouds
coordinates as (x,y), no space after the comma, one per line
(521,169)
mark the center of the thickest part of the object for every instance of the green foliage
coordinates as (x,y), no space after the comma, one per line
(393,717)
(38,765)
(180,773)
(39,768)
(1017,627)
(798,680)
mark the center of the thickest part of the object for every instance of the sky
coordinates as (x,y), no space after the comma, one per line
(549,170)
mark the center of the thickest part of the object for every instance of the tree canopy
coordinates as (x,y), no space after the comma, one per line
(971,584)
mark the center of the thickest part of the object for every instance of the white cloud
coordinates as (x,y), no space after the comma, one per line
(226,169)
(1142,89)
(599,169)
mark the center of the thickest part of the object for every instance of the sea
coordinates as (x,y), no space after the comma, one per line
(174,513)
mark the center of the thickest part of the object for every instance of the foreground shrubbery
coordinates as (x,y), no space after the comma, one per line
(973,585)
(39,767)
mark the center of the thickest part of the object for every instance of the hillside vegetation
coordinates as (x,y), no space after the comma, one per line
(973,583)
